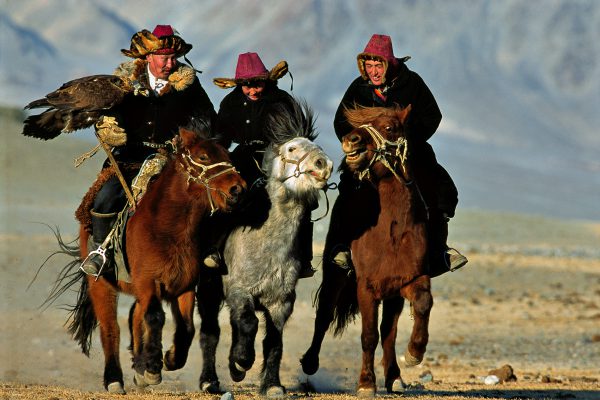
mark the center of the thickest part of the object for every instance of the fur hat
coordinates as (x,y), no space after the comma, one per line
(379,48)
(251,68)
(162,40)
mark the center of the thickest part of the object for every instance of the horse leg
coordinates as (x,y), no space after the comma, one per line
(369,338)
(147,323)
(183,315)
(209,298)
(104,302)
(418,292)
(333,283)
(244,325)
(273,349)
(389,329)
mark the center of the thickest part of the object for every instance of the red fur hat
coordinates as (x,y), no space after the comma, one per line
(379,48)
(251,68)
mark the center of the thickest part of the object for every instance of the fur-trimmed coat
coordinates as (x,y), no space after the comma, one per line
(157,118)
(407,87)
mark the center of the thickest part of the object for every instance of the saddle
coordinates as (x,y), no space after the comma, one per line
(149,169)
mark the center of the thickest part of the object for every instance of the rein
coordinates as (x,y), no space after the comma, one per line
(203,177)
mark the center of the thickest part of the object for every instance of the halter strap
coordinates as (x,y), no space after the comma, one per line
(203,178)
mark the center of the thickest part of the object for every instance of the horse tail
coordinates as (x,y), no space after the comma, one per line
(344,305)
(82,320)
(346,308)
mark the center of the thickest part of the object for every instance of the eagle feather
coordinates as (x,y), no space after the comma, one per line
(77,104)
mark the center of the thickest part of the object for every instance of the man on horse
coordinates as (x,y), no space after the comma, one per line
(385,81)
(168,95)
(242,118)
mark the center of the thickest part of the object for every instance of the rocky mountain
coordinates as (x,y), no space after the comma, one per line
(518,81)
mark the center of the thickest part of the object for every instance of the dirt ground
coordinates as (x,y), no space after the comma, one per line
(529,298)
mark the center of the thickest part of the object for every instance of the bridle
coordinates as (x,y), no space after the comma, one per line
(396,151)
(297,171)
(388,153)
(199,173)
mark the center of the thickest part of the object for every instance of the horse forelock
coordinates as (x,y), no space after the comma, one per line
(288,121)
(360,115)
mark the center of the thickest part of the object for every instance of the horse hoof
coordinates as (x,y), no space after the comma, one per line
(152,379)
(210,387)
(365,393)
(115,388)
(237,372)
(398,386)
(275,392)
(139,381)
(309,366)
(410,360)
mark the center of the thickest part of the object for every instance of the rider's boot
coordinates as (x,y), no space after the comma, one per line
(443,258)
(96,259)
(305,236)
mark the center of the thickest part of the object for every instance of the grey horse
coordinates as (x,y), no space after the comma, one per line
(262,253)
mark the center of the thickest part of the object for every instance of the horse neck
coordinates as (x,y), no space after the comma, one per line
(398,199)
(285,205)
(178,214)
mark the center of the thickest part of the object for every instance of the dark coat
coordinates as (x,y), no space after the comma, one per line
(243,121)
(407,87)
(156,119)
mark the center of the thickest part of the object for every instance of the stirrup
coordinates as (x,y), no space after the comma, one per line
(100,251)
(455,259)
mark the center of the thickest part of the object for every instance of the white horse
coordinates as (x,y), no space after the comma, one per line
(263,252)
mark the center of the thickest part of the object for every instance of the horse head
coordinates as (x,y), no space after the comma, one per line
(378,144)
(208,169)
(293,158)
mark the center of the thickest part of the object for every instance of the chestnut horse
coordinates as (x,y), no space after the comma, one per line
(383,217)
(164,240)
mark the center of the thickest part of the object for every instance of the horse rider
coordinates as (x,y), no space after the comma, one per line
(169,96)
(242,118)
(385,81)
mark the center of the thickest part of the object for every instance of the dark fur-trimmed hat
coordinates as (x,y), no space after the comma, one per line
(162,40)
(251,68)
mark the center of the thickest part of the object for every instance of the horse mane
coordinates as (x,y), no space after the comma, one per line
(201,126)
(359,115)
(291,120)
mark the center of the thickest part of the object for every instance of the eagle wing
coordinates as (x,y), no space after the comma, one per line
(76,105)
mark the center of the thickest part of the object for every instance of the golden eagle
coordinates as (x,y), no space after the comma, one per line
(77,104)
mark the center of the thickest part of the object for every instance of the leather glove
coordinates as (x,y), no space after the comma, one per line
(109,131)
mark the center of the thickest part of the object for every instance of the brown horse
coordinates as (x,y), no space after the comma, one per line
(382,214)
(164,239)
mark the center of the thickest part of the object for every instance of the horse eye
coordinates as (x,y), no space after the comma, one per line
(203,157)
(388,128)
(291,149)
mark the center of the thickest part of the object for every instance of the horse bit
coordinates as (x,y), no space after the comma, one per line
(203,178)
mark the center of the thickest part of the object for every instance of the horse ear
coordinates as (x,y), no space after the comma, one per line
(187,137)
(403,113)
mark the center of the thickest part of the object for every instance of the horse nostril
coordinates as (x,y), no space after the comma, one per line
(320,163)
(355,138)
(236,190)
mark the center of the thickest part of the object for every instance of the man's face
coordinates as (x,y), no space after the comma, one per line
(161,65)
(254,90)
(375,70)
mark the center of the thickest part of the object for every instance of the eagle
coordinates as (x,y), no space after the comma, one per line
(77,104)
